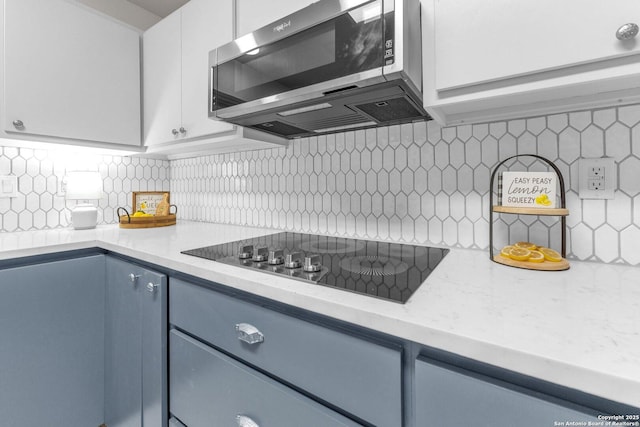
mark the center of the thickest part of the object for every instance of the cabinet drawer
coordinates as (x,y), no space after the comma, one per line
(357,375)
(448,398)
(211,389)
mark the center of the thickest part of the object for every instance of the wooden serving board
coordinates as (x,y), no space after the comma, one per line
(543,266)
(147,221)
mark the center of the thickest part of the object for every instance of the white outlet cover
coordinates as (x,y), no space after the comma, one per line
(610,178)
(8,186)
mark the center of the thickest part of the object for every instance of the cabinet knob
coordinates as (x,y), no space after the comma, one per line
(18,124)
(174,132)
(627,31)
(152,287)
(244,421)
(133,278)
(183,130)
(249,333)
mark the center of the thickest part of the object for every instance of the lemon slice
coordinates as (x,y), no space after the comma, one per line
(550,255)
(536,256)
(519,254)
(526,245)
(505,251)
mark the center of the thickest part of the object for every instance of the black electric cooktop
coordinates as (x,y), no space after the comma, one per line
(390,271)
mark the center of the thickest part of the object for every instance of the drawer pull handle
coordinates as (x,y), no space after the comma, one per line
(248,333)
(244,421)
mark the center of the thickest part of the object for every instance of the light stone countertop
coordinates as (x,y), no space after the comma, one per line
(578,328)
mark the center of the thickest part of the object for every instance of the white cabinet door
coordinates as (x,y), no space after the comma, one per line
(477,42)
(70,73)
(162,80)
(206,25)
(253,14)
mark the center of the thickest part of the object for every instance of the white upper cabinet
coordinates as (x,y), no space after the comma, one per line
(69,73)
(176,81)
(254,14)
(500,58)
(479,42)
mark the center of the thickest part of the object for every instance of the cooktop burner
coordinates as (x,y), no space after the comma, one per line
(391,271)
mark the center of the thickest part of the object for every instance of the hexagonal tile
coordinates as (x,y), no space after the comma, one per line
(569,145)
(407,181)
(516,127)
(527,143)
(465,179)
(604,118)
(413,157)
(420,180)
(376,159)
(413,205)
(619,211)
(372,182)
(427,156)
(421,230)
(441,151)
(456,153)
(593,212)
(10,221)
(465,233)
(481,178)
(581,238)
(25,220)
(419,132)
(377,205)
(580,120)
(456,206)
(383,182)
(606,243)
(395,181)
(630,245)
(618,141)
(629,115)
(434,131)
(450,232)
(394,136)
(442,206)
(401,205)
(435,230)
(548,145)
(449,134)
(450,180)
(507,146)
(497,129)
(628,170)
(592,142)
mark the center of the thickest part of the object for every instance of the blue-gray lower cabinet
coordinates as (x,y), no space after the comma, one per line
(211,389)
(357,375)
(451,397)
(52,343)
(135,346)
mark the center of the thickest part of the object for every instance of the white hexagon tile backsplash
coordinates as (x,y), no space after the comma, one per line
(418,183)
(425,184)
(40,205)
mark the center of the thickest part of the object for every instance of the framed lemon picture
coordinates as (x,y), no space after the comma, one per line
(148,201)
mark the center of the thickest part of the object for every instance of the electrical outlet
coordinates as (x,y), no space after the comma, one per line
(597,178)
(8,186)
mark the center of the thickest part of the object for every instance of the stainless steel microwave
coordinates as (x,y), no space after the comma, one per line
(332,66)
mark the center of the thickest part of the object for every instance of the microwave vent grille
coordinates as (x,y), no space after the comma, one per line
(388,110)
(330,122)
(279,128)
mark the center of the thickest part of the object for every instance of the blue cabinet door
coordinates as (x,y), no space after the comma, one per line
(453,398)
(52,343)
(135,346)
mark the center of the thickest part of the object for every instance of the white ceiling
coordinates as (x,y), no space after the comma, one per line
(160,8)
